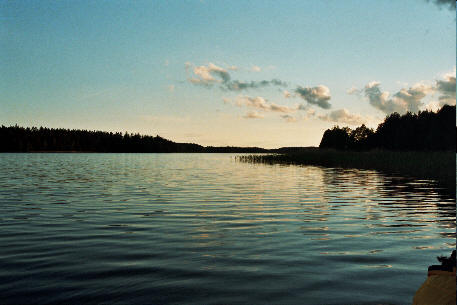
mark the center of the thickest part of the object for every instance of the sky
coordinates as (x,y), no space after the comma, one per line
(240,73)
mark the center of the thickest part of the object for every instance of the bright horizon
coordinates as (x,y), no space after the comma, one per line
(218,73)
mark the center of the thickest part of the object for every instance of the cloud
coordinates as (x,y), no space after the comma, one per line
(450,4)
(240,85)
(287,94)
(255,102)
(289,118)
(433,106)
(319,95)
(208,74)
(411,98)
(354,90)
(280,108)
(447,89)
(343,116)
(211,74)
(255,69)
(309,112)
(204,73)
(262,104)
(233,68)
(380,100)
(222,73)
(403,101)
(253,115)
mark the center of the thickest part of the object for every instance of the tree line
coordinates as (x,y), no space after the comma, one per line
(424,131)
(21,139)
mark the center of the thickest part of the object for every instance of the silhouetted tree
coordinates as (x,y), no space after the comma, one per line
(19,139)
(361,138)
(336,138)
(425,130)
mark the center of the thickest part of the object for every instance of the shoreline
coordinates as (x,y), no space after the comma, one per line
(128,152)
(434,165)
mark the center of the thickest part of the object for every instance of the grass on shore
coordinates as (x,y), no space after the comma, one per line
(439,166)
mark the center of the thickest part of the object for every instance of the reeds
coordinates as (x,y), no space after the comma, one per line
(438,166)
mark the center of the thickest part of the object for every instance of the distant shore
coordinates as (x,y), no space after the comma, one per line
(439,166)
(213,151)
(59,151)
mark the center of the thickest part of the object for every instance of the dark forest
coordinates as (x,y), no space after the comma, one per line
(424,131)
(20,139)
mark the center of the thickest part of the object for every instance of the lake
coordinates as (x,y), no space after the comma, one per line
(206,229)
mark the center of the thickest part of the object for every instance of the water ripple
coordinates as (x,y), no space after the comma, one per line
(203,229)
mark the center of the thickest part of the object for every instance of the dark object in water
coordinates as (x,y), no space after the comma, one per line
(439,288)
(447,263)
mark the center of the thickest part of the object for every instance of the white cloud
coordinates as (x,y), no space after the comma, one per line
(343,116)
(353,90)
(207,75)
(410,99)
(447,89)
(255,102)
(262,104)
(433,106)
(211,74)
(281,108)
(204,73)
(253,115)
(404,100)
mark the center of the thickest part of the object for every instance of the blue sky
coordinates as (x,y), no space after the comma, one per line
(157,67)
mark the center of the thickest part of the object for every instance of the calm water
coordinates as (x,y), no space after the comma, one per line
(204,229)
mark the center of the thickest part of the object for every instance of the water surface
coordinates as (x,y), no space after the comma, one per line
(204,229)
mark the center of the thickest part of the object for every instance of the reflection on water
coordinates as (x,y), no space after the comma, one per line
(204,229)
